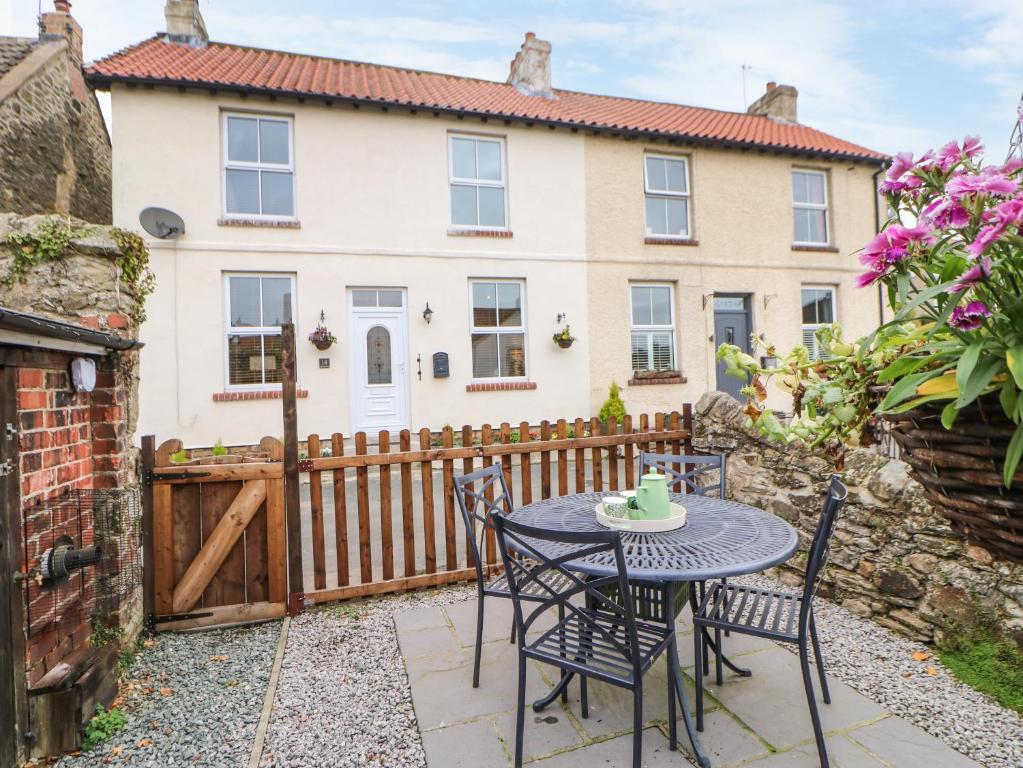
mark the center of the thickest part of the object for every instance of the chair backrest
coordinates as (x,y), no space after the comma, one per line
(683,471)
(548,577)
(820,547)
(480,494)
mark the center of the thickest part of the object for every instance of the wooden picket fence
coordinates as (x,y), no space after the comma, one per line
(220,550)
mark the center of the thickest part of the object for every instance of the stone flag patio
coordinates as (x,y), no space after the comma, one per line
(760,721)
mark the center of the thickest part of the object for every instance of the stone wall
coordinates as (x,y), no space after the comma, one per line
(54,146)
(893,559)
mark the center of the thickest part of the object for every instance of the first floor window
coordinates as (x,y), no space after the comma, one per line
(818,310)
(498,322)
(259,173)
(666,184)
(810,207)
(256,307)
(653,327)
(477,179)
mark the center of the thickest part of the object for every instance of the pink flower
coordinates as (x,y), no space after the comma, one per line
(1011,166)
(970,317)
(999,218)
(901,163)
(948,156)
(974,275)
(945,212)
(972,146)
(888,248)
(990,181)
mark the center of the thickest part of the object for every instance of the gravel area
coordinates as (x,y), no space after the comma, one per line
(880,665)
(343,698)
(191,699)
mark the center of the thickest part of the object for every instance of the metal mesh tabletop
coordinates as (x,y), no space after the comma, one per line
(720,538)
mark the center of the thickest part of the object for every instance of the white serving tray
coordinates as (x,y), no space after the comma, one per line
(675,520)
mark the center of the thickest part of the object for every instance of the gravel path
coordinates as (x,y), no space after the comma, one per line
(880,665)
(343,698)
(191,699)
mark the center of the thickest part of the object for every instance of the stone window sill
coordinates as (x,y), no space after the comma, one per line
(642,381)
(500,386)
(268,223)
(256,394)
(816,248)
(670,241)
(458,232)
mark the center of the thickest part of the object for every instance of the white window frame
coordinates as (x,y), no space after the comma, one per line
(496,330)
(812,327)
(662,194)
(652,329)
(812,207)
(228,165)
(262,330)
(462,181)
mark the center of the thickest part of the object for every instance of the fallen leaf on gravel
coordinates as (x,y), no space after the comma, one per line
(166,692)
(932,671)
(144,742)
(221,657)
(921,656)
(907,674)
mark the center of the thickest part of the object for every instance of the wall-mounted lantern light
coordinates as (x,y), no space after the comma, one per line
(428,313)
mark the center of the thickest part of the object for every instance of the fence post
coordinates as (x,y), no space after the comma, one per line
(292,499)
(148,574)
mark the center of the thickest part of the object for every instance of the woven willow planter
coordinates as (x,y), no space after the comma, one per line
(961,471)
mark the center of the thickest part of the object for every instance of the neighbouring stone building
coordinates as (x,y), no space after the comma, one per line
(54,145)
(893,559)
(67,468)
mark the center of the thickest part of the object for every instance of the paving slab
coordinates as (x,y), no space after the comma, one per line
(466,745)
(901,743)
(842,753)
(725,740)
(415,619)
(617,752)
(772,702)
(544,732)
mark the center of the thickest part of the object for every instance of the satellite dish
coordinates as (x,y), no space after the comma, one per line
(161,223)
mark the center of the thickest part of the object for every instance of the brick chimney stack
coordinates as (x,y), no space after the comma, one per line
(530,70)
(59,24)
(778,102)
(185,24)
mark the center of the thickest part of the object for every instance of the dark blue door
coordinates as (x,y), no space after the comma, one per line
(731,326)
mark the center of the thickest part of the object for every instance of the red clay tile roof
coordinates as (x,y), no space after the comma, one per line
(236,67)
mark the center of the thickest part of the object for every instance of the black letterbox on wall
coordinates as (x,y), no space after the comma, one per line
(440,365)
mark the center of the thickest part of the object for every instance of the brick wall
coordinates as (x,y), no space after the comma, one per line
(67,440)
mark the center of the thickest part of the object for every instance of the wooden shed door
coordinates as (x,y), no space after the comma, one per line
(12,663)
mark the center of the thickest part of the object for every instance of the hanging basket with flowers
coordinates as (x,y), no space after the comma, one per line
(564,338)
(321,338)
(947,371)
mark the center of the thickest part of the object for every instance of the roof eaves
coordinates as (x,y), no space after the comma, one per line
(49,328)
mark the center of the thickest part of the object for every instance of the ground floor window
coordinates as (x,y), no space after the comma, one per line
(653,327)
(257,305)
(498,329)
(818,310)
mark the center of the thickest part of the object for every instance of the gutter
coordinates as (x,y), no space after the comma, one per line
(24,329)
(105,81)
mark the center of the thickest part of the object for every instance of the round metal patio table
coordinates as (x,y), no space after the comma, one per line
(720,538)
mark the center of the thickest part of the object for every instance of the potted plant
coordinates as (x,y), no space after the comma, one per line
(564,337)
(321,338)
(947,371)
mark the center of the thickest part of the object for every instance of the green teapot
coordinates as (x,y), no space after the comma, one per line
(652,496)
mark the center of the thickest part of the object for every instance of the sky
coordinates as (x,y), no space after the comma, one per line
(891,75)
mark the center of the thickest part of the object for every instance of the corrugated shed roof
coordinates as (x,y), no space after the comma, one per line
(252,69)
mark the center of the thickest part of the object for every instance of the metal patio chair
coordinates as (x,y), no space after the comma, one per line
(603,641)
(785,617)
(480,494)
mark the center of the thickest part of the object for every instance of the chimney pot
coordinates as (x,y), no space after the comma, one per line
(62,6)
(185,24)
(778,103)
(530,70)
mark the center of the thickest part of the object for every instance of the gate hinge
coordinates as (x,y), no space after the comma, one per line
(10,431)
(6,468)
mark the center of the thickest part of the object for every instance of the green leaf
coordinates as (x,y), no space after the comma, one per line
(906,387)
(978,381)
(902,366)
(918,401)
(1014,359)
(967,363)
(1012,456)
(948,415)
(905,312)
(1007,397)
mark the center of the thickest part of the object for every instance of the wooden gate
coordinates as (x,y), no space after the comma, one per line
(218,541)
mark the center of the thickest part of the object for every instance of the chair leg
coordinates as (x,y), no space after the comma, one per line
(698,673)
(520,712)
(479,642)
(820,661)
(671,657)
(718,667)
(561,617)
(637,725)
(811,700)
(584,698)
(512,640)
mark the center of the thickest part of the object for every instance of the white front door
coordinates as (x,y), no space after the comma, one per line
(377,359)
